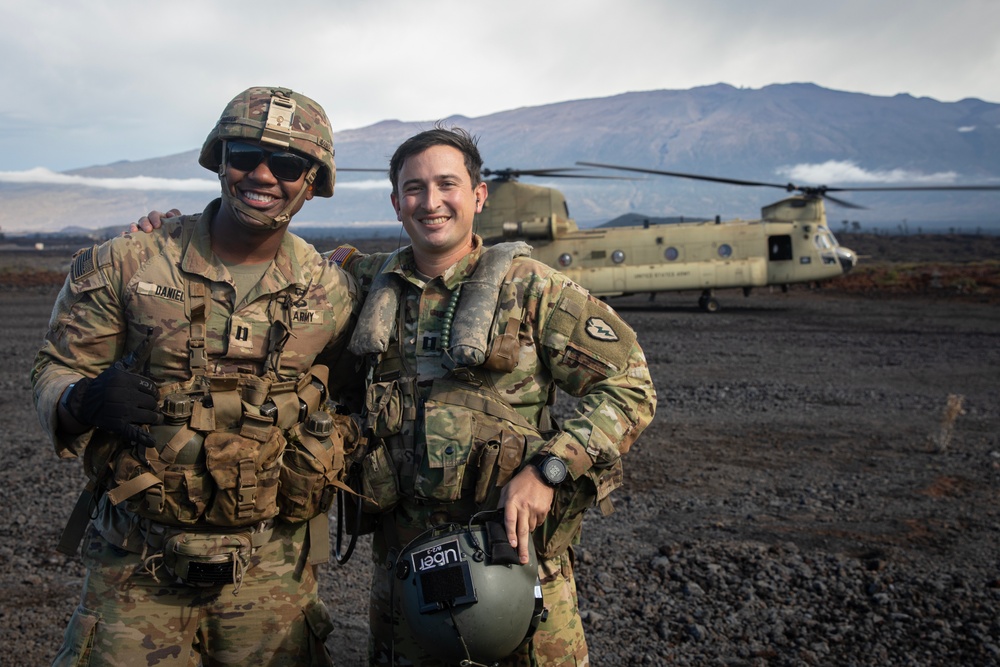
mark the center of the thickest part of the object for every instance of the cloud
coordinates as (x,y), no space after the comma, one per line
(840,172)
(42,176)
(967,128)
(112,80)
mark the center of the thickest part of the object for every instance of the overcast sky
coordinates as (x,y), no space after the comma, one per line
(98,81)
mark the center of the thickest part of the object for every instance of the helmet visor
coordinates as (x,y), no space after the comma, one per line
(246,157)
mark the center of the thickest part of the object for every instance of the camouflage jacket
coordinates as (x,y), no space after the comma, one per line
(118,291)
(558,327)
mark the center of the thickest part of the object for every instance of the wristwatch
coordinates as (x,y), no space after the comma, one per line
(64,399)
(552,468)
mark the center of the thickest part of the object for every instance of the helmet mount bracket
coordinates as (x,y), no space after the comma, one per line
(278,126)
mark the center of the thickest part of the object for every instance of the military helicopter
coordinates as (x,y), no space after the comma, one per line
(791,243)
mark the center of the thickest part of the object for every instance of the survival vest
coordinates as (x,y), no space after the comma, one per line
(462,439)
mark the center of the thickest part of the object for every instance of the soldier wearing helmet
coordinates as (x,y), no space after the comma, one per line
(190,371)
(291,130)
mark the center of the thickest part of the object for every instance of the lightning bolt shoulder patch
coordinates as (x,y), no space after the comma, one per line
(598,329)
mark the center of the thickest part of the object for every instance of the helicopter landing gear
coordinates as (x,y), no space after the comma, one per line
(708,303)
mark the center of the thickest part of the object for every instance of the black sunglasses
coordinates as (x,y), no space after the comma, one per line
(284,166)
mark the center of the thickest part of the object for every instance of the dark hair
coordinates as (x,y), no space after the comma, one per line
(455,137)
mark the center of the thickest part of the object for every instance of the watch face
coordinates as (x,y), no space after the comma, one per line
(553,470)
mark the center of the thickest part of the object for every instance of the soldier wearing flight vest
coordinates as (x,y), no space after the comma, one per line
(464,349)
(190,370)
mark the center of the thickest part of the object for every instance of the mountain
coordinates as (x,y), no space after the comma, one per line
(747,134)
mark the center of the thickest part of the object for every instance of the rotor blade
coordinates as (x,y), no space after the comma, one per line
(791,187)
(914,188)
(715,179)
(555,172)
(508,171)
(610,178)
(540,172)
(840,202)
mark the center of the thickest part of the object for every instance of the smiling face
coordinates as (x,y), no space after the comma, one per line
(436,201)
(259,189)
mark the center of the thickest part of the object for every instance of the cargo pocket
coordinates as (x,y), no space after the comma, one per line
(246,474)
(78,641)
(572,499)
(319,626)
(449,438)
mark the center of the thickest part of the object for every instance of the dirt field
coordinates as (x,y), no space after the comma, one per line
(804,496)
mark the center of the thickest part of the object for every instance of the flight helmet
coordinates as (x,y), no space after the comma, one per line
(464,594)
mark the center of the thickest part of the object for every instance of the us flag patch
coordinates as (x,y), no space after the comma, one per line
(83,264)
(340,254)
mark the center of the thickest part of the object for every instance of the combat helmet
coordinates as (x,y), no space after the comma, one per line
(464,594)
(280,119)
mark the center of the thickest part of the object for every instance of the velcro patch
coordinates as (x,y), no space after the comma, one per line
(161,291)
(602,335)
(84,264)
(307,316)
(598,329)
(240,334)
(340,254)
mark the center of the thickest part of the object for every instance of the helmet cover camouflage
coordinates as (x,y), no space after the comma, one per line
(280,119)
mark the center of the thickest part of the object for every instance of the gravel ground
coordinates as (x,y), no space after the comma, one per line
(802,498)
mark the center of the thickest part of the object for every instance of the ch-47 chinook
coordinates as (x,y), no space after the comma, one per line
(791,243)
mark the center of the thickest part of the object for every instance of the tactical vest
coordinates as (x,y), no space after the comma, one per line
(472,441)
(469,441)
(234,452)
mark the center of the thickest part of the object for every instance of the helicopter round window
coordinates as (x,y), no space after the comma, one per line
(671,254)
(725,250)
(565,259)
(618,257)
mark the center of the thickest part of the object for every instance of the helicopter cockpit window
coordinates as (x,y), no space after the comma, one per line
(822,241)
(671,254)
(565,259)
(725,251)
(618,257)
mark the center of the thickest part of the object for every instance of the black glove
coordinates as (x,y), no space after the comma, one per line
(116,401)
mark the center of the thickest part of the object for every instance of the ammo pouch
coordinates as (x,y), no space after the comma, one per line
(474,442)
(246,472)
(379,488)
(235,484)
(388,404)
(218,461)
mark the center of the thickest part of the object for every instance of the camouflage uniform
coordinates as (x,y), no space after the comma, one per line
(548,315)
(130,613)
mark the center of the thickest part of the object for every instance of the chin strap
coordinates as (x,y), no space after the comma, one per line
(266,221)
